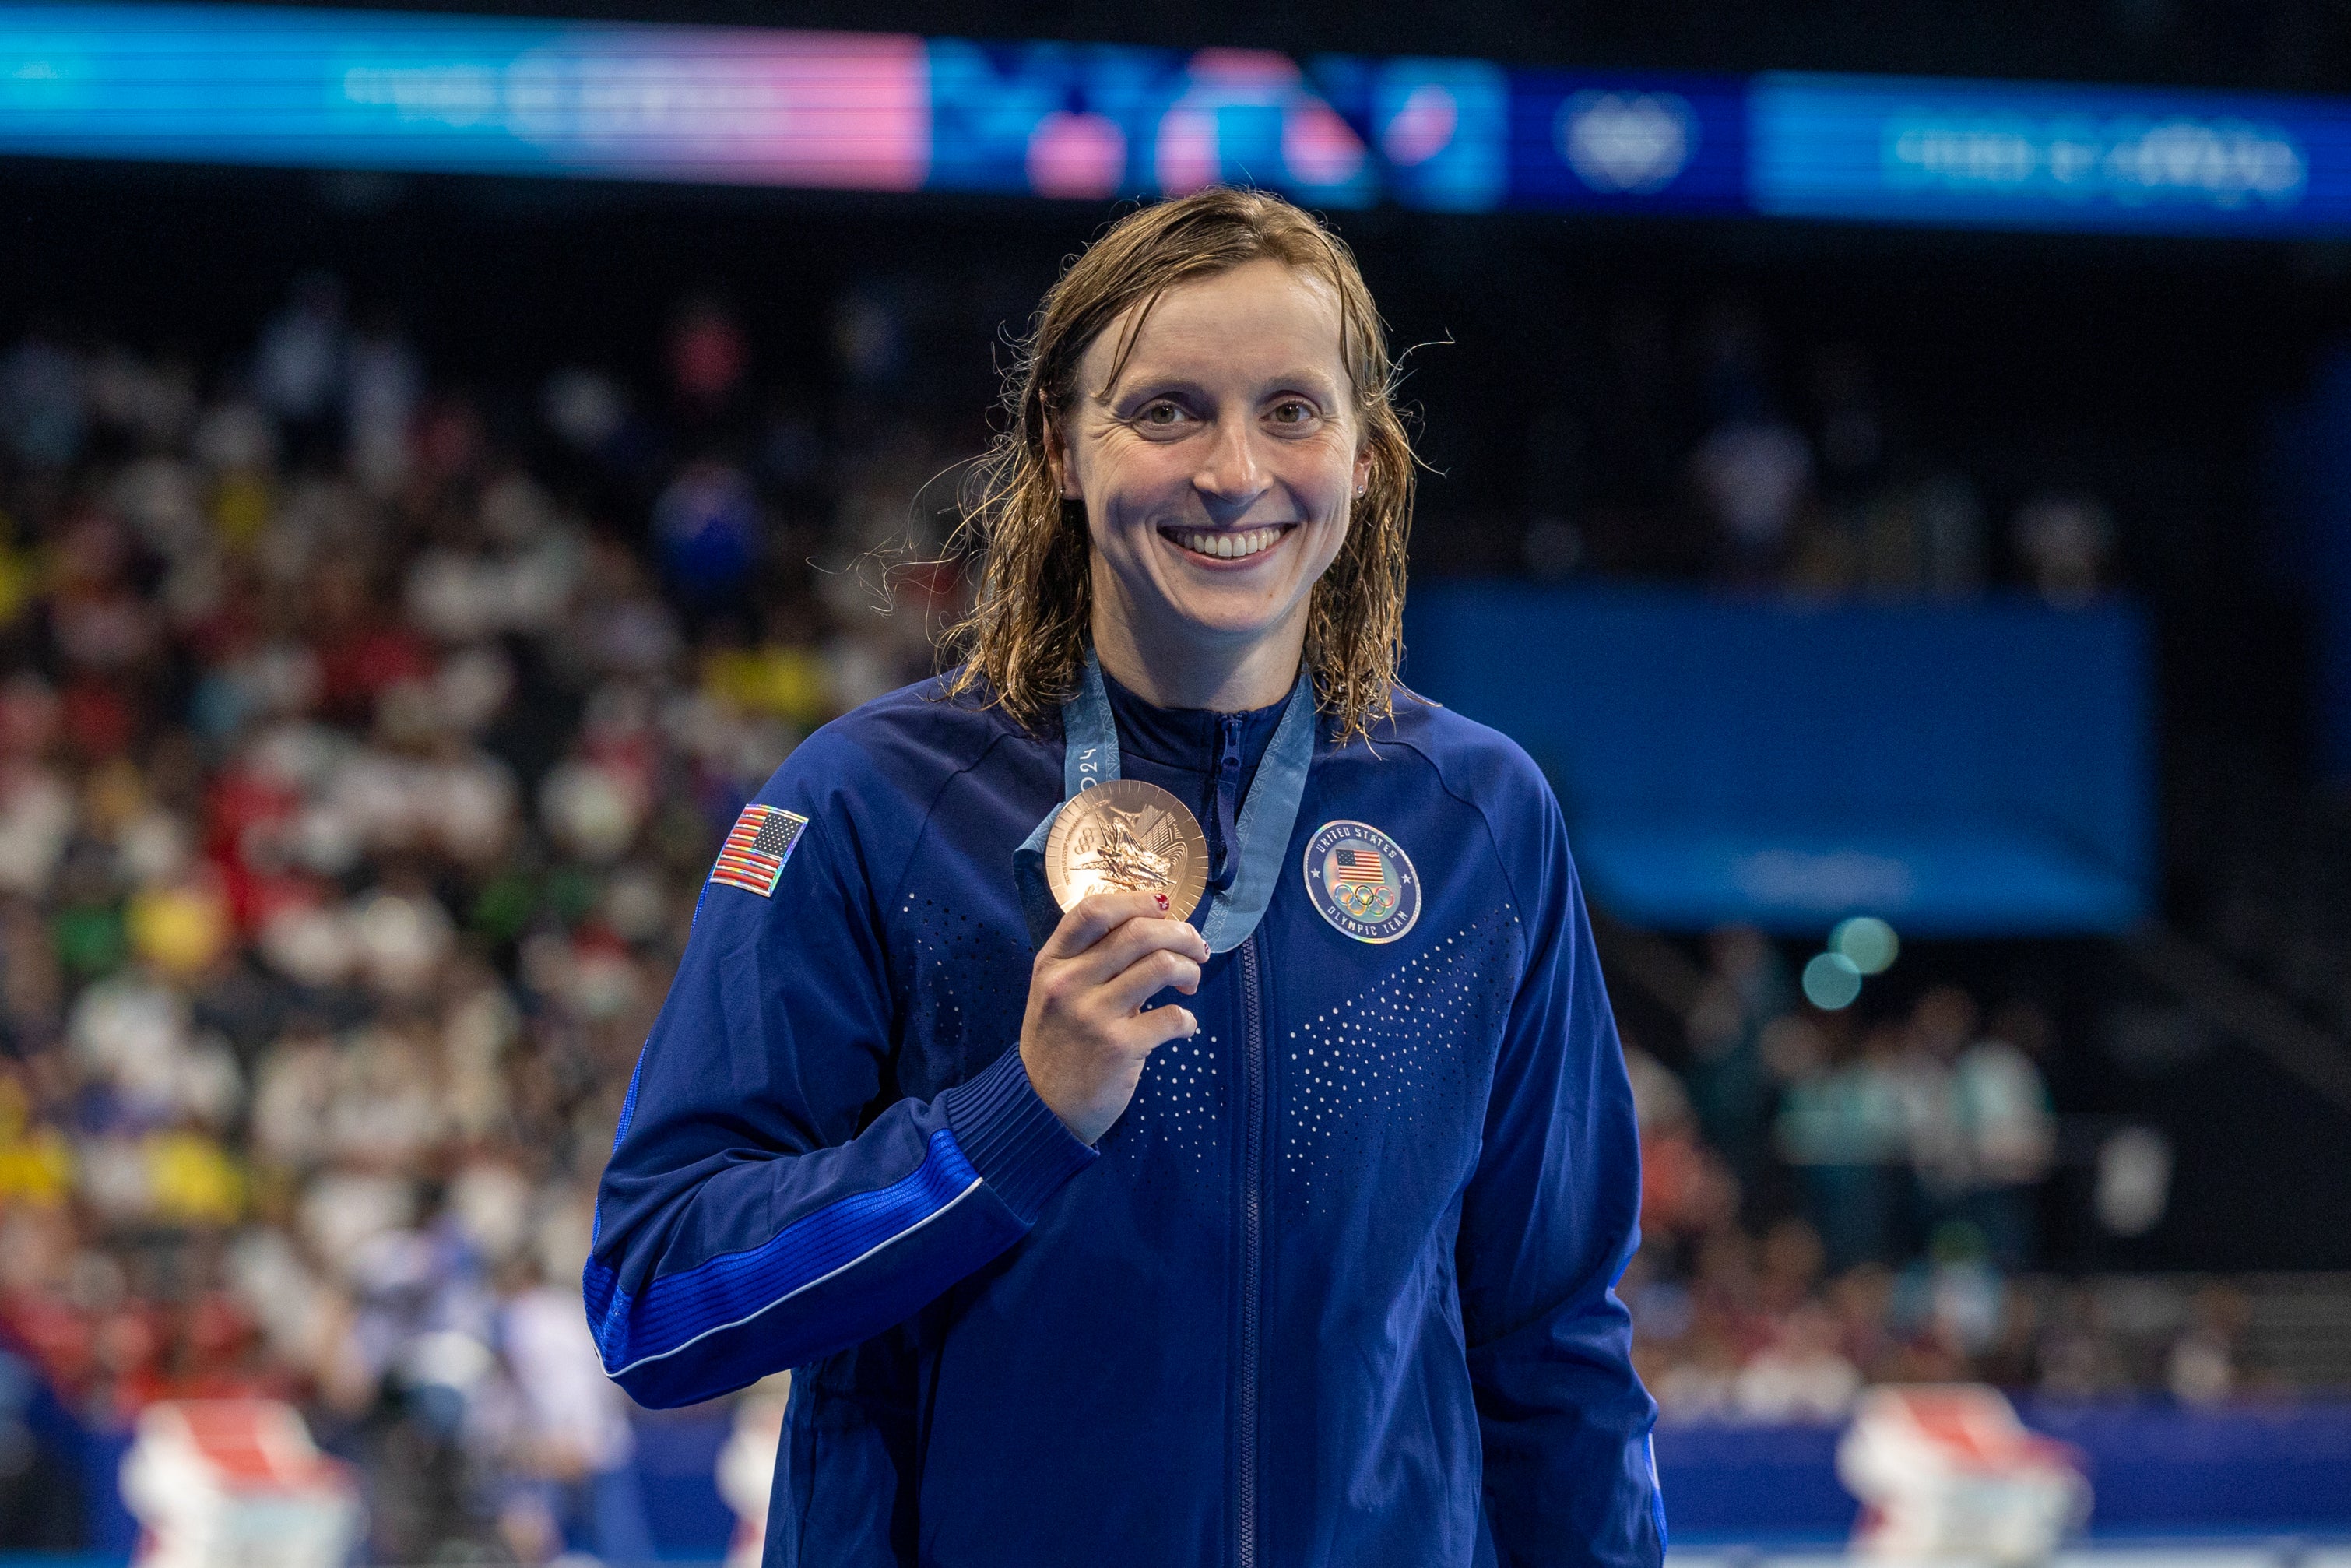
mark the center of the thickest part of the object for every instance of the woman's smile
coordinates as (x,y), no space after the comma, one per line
(1225,548)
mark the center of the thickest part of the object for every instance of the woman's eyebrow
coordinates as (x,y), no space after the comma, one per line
(1323,380)
(1133,384)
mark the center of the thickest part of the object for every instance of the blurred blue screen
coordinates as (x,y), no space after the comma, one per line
(1973,768)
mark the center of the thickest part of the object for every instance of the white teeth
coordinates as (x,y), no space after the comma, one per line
(1228,547)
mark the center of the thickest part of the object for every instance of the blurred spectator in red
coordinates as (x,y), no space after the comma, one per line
(1686,1192)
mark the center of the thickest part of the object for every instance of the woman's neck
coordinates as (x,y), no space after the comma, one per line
(1239,676)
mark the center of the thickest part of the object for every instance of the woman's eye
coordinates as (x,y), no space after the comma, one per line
(1292,411)
(1162,414)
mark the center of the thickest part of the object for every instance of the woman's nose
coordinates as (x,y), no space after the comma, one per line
(1229,476)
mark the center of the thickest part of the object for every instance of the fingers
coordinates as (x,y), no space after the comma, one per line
(1147,977)
(1086,1032)
(1154,1027)
(1091,918)
(1128,944)
(1126,969)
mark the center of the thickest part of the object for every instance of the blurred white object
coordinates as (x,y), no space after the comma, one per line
(1802,1377)
(1947,1472)
(746,1466)
(2133,1181)
(2064,541)
(403,940)
(1754,474)
(568,1403)
(236,1483)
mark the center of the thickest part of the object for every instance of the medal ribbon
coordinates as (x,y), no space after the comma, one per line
(1261,838)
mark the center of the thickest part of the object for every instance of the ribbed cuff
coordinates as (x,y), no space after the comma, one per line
(1012,1138)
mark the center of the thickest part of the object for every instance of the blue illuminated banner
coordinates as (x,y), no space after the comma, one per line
(1441,127)
(227,84)
(1088,121)
(2031,156)
(1628,143)
(371,90)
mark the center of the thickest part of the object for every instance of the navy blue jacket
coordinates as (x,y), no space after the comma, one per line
(1335,1290)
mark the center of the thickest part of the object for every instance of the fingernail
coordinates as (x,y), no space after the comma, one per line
(1162,898)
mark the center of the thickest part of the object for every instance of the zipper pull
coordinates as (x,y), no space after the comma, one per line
(1225,864)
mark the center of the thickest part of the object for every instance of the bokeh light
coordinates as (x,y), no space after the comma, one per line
(1867,942)
(1831,981)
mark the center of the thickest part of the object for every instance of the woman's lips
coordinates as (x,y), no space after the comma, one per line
(1228,544)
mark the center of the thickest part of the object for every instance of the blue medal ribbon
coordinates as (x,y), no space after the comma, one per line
(1261,838)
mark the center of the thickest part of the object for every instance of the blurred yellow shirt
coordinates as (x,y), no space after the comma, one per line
(36,1167)
(790,682)
(191,1178)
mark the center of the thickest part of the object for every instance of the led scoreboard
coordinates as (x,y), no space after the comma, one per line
(893,112)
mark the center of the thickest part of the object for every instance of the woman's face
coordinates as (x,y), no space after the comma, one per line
(1216,472)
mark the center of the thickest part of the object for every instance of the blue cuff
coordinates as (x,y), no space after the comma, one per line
(1012,1138)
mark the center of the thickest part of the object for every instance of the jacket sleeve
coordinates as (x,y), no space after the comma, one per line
(768,1203)
(1549,1222)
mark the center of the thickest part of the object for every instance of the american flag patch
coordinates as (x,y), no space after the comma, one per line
(754,852)
(1360,865)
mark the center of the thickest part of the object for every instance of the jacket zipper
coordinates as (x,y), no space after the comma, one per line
(1227,864)
(1252,1255)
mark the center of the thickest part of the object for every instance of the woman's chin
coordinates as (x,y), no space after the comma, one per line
(1178,599)
(1225,619)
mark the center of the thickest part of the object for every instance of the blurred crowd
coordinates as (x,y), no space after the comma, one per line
(359,763)
(363,746)
(1830,1201)
(1701,442)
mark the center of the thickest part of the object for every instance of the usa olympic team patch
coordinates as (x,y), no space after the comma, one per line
(1362,881)
(756,848)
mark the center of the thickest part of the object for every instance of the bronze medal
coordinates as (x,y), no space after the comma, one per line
(1126,836)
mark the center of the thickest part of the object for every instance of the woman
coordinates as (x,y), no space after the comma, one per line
(1285,1234)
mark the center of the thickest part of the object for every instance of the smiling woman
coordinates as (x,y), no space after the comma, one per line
(1203,454)
(1262,1205)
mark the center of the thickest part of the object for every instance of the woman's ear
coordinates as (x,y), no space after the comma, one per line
(1056,462)
(1362,471)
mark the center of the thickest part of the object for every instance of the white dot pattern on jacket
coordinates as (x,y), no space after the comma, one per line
(1180,1095)
(1408,1048)
(969,979)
